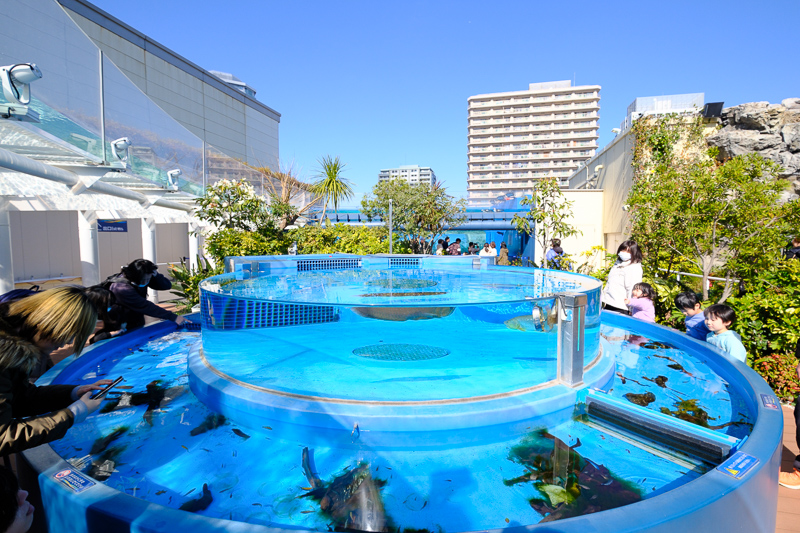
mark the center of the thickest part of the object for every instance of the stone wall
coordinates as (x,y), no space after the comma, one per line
(773,130)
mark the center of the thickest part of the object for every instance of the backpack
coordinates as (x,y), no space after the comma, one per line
(18,294)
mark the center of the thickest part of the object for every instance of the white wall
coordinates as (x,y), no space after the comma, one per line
(587,216)
(118,248)
(45,245)
(172,243)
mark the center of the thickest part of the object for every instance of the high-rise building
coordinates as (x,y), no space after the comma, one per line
(518,137)
(413,174)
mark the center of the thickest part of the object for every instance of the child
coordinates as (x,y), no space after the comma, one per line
(16,514)
(718,319)
(688,304)
(642,302)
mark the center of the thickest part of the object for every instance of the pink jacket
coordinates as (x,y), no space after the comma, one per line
(643,309)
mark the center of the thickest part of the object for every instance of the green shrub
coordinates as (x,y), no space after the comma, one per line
(188,279)
(346,239)
(234,242)
(780,372)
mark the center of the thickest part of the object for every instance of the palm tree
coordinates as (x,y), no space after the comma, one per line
(331,186)
(289,197)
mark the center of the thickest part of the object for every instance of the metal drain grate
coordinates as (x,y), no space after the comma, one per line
(400,352)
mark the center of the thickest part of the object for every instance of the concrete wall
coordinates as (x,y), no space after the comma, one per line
(172,243)
(119,248)
(587,216)
(236,124)
(615,179)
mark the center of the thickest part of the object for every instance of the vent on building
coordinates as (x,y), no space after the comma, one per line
(305,265)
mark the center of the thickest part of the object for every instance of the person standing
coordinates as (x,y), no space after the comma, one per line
(455,248)
(791,480)
(792,250)
(486,251)
(626,272)
(502,258)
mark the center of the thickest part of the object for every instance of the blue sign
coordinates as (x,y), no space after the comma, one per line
(770,401)
(738,465)
(116,226)
(73,480)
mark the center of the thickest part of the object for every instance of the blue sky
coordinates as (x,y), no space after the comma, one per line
(384,83)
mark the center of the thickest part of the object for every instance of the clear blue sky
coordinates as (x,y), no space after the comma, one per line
(385,83)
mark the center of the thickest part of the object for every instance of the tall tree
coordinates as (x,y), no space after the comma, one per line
(420,212)
(548,215)
(289,198)
(724,218)
(331,186)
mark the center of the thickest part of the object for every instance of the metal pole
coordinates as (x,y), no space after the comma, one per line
(102,111)
(390,226)
(571,326)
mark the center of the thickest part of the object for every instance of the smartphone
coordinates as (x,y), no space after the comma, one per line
(99,394)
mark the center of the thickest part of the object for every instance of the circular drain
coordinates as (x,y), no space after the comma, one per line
(400,352)
(403,283)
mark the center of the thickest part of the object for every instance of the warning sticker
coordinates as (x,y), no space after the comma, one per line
(75,481)
(738,465)
(770,401)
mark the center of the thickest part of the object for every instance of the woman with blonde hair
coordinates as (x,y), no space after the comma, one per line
(30,329)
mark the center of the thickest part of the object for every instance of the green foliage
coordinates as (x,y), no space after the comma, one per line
(233,242)
(331,186)
(346,239)
(547,216)
(768,316)
(688,211)
(420,212)
(233,205)
(779,370)
(188,279)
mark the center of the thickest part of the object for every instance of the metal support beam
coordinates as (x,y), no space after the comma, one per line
(6,263)
(89,249)
(149,249)
(571,326)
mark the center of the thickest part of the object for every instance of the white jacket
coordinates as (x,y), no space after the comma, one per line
(621,279)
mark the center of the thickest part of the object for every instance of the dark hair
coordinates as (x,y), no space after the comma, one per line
(458,240)
(440,241)
(558,250)
(647,290)
(9,487)
(555,242)
(721,311)
(102,299)
(503,245)
(632,248)
(138,269)
(686,300)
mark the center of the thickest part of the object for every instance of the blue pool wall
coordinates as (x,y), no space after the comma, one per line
(714,502)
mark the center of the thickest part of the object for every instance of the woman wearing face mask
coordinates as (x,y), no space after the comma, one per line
(130,292)
(625,273)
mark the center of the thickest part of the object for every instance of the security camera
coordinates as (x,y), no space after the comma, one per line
(172,178)
(615,130)
(120,147)
(16,81)
(598,168)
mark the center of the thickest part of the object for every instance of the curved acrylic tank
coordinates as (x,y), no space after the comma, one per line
(338,395)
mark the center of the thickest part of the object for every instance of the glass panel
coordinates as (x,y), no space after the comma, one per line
(160,143)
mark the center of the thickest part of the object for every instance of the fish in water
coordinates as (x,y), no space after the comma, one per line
(240,433)
(198,504)
(401,294)
(401,314)
(540,319)
(353,499)
(641,399)
(212,421)
(102,443)
(655,345)
(155,397)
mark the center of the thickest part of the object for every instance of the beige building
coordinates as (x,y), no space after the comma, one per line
(515,138)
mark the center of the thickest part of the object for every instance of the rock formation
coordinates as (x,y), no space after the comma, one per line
(773,130)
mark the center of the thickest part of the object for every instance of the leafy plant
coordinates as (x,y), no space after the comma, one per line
(234,242)
(331,186)
(290,197)
(420,212)
(188,279)
(779,370)
(547,216)
(342,238)
(233,205)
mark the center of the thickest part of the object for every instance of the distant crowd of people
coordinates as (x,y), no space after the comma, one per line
(33,325)
(489,249)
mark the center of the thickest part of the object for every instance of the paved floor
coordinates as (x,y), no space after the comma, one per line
(788,500)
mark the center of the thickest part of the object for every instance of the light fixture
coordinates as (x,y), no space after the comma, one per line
(615,131)
(119,148)
(172,178)
(16,81)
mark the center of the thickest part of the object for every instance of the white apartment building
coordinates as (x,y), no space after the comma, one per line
(413,174)
(515,138)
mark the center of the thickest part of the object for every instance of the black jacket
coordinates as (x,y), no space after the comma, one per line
(132,303)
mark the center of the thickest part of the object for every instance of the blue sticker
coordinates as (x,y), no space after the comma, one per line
(738,465)
(770,402)
(114,226)
(75,481)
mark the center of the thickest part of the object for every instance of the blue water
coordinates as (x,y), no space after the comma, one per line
(256,474)
(418,286)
